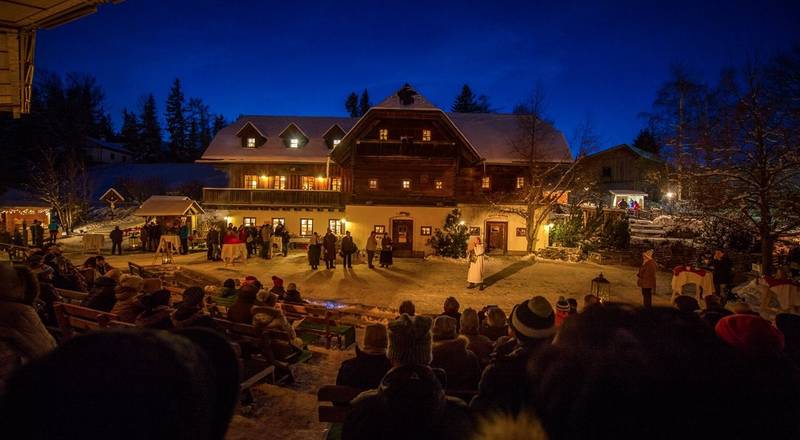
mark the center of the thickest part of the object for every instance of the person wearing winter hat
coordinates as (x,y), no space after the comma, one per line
(191,311)
(495,325)
(151,285)
(228,288)
(277,287)
(102,296)
(532,326)
(750,335)
(646,278)
(157,311)
(562,310)
(241,310)
(366,370)
(114,274)
(451,307)
(450,353)
(686,304)
(293,295)
(410,401)
(127,306)
(477,343)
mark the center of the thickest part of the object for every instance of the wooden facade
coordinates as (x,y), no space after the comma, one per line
(623,168)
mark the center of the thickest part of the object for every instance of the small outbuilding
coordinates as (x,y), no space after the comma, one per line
(170,211)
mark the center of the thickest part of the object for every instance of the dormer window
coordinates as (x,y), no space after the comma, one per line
(426,135)
(406,184)
(294,143)
(438,184)
(336,142)
(383,134)
(373,183)
(251,142)
(520,182)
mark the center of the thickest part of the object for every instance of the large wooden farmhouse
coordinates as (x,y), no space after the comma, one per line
(399,169)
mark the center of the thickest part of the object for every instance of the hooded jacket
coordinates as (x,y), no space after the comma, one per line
(127,306)
(461,365)
(409,403)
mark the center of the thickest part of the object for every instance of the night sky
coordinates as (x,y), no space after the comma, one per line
(304,57)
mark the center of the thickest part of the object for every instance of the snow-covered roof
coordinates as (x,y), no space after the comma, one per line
(110,146)
(227,147)
(168,206)
(14,197)
(627,193)
(638,151)
(406,99)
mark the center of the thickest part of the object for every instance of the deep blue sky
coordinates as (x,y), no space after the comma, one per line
(304,57)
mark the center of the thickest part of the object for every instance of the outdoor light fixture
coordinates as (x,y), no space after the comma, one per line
(462,223)
(669,194)
(601,288)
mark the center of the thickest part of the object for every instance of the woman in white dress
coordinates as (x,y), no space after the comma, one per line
(475,253)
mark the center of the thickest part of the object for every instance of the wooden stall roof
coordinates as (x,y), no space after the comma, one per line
(157,206)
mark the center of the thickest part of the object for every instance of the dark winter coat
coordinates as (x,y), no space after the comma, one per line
(647,275)
(212,237)
(348,247)
(723,270)
(116,236)
(494,333)
(23,331)
(293,296)
(329,246)
(461,365)
(386,251)
(314,252)
(409,404)
(191,317)
(457,317)
(278,291)
(481,346)
(503,385)
(241,310)
(364,371)
(102,296)
(159,317)
(127,307)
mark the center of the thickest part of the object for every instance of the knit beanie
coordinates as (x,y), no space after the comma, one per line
(533,319)
(444,328)
(410,340)
(278,282)
(750,335)
(133,282)
(375,339)
(686,303)
(562,310)
(469,322)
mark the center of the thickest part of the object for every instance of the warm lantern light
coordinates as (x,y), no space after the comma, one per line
(601,288)
(462,223)
(263,177)
(669,194)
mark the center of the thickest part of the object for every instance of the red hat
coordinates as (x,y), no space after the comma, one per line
(750,334)
(277,281)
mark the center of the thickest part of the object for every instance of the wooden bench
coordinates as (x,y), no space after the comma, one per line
(71,296)
(136,269)
(73,319)
(317,320)
(334,402)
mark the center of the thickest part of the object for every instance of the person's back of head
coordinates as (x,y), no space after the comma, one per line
(496,317)
(451,305)
(159,298)
(407,307)
(112,384)
(469,322)
(686,304)
(19,284)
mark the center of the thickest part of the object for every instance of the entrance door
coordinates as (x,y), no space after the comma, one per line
(403,237)
(496,237)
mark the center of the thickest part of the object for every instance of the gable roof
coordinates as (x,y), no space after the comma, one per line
(227,147)
(250,124)
(168,206)
(292,124)
(106,145)
(406,99)
(637,151)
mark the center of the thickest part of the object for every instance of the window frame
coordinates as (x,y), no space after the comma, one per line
(336,225)
(251,223)
(305,224)
(383,134)
(294,143)
(277,220)
(250,142)
(379,229)
(336,183)
(304,183)
(371,186)
(438,184)
(253,179)
(520,182)
(425,231)
(426,135)
(405,184)
(279,182)
(486,182)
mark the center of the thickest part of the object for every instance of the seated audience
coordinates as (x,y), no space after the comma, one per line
(101,265)
(532,327)
(573,305)
(190,312)
(293,296)
(47,293)
(562,310)
(450,353)
(23,336)
(410,401)
(407,307)
(789,325)
(451,307)
(114,274)
(714,310)
(477,343)
(228,288)
(252,281)
(590,300)
(366,370)
(157,312)
(277,287)
(494,326)
(102,295)
(120,378)
(127,306)
(686,304)
(151,285)
(241,309)
(269,316)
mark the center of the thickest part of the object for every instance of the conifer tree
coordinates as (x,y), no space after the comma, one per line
(467,102)
(151,131)
(645,141)
(219,124)
(351,105)
(364,103)
(129,134)
(176,122)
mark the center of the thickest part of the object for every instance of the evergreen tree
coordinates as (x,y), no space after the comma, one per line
(364,103)
(467,102)
(129,134)
(351,105)
(451,240)
(647,142)
(106,127)
(219,124)
(199,133)
(176,122)
(150,136)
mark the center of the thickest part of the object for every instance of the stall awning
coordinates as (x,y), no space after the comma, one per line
(627,193)
(157,206)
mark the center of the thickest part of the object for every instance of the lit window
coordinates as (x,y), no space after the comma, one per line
(425,230)
(249,221)
(336,184)
(250,181)
(251,142)
(438,184)
(307,183)
(379,229)
(336,226)
(336,142)
(406,184)
(278,221)
(383,134)
(520,182)
(486,182)
(373,183)
(294,143)
(306,226)
(426,135)
(279,182)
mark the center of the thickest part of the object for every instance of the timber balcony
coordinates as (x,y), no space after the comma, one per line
(272,197)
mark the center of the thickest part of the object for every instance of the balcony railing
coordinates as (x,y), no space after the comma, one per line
(272,197)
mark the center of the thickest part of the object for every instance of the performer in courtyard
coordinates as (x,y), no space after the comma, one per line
(386,251)
(371,247)
(348,249)
(475,253)
(314,250)
(647,277)
(329,243)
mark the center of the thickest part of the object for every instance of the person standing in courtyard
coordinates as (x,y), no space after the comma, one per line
(371,247)
(116,240)
(212,243)
(723,273)
(386,251)
(647,277)
(329,245)
(53,228)
(266,240)
(348,249)
(475,253)
(314,250)
(285,241)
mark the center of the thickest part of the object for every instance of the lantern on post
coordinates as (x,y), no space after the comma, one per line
(601,288)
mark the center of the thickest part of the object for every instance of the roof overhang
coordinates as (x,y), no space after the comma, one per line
(250,124)
(627,193)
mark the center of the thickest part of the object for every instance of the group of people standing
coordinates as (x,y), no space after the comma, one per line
(258,240)
(325,248)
